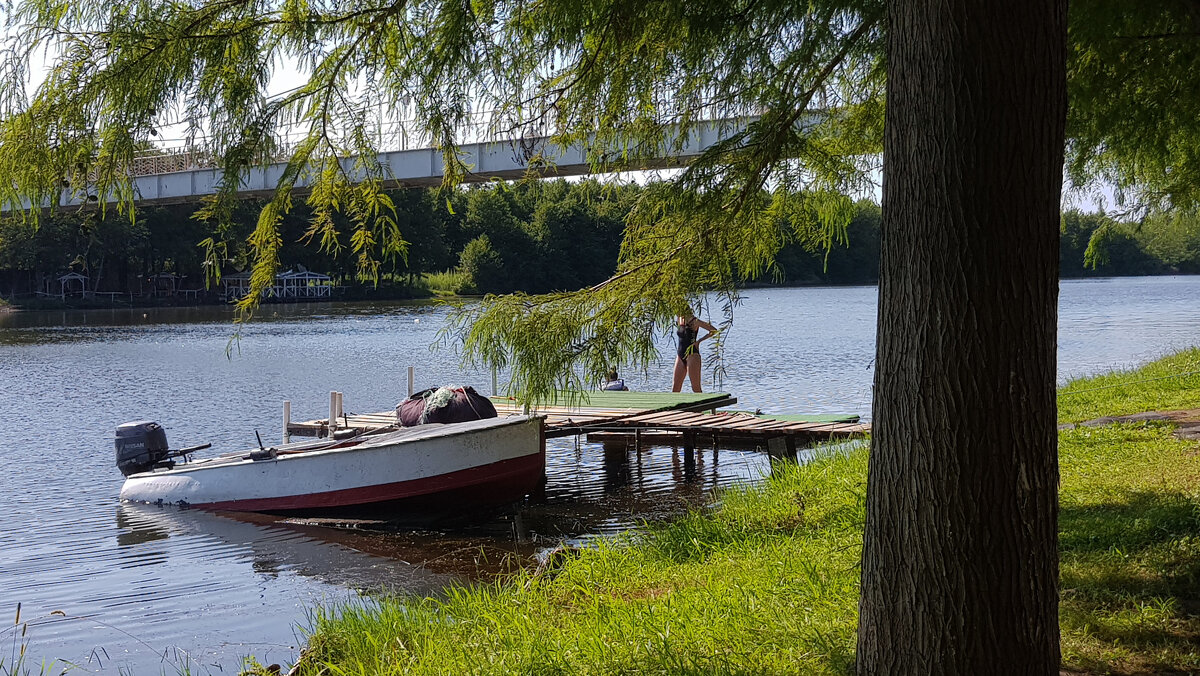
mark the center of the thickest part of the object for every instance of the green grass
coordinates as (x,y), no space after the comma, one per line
(767,581)
(1130,541)
(1170,383)
(767,584)
(448,283)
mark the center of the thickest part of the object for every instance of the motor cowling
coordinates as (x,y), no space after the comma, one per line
(141,445)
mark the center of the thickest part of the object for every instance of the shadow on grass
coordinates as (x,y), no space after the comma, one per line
(1133,520)
(1130,566)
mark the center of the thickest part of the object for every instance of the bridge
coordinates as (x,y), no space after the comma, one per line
(186,174)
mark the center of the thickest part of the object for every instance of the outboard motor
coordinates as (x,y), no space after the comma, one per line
(140,446)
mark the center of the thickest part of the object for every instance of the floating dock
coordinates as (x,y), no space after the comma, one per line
(685,418)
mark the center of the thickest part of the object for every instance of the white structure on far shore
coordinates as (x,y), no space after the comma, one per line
(291,285)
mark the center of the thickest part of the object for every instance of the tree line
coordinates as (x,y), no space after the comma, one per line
(533,237)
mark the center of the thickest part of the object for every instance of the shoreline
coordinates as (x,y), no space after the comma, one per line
(743,570)
(11,306)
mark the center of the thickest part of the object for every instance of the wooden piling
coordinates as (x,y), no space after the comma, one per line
(287,420)
(332,412)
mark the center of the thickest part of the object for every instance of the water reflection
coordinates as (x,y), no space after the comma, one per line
(132,530)
(618,472)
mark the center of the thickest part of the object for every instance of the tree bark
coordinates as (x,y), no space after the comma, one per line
(960,557)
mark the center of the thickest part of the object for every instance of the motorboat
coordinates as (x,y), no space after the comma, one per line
(480,461)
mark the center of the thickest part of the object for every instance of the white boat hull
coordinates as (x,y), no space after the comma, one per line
(496,456)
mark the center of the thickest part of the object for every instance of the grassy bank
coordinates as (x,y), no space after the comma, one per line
(448,283)
(768,581)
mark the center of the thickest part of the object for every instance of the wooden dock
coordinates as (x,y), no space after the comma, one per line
(684,418)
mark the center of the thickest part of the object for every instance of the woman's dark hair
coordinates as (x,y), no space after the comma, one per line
(612,375)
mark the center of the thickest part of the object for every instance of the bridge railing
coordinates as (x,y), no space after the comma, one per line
(388,135)
(174,155)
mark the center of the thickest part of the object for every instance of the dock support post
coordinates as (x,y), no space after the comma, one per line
(332,412)
(287,420)
(689,457)
(782,447)
(341,408)
(410,381)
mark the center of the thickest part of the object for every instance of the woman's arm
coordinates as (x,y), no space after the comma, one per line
(701,324)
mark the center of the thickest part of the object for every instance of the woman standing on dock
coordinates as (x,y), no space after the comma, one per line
(687,358)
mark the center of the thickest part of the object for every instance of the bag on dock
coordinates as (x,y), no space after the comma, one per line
(449,404)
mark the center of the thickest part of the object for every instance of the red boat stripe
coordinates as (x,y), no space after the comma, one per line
(514,471)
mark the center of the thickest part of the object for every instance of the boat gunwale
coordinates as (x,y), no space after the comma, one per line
(234,460)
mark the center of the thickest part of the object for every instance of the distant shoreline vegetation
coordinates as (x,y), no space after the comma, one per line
(532,237)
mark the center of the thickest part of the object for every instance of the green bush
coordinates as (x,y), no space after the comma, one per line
(483,267)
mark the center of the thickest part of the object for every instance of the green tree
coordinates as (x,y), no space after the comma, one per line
(1172,238)
(1135,98)
(1076,232)
(484,267)
(495,216)
(425,233)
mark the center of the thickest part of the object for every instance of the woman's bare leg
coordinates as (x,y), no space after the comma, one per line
(693,369)
(680,372)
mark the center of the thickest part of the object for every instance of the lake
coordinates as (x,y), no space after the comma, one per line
(144,589)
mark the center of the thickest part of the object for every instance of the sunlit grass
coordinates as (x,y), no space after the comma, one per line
(1167,384)
(768,584)
(767,581)
(1130,548)
(448,283)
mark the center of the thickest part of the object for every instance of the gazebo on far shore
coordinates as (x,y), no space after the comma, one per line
(302,284)
(290,285)
(72,283)
(164,284)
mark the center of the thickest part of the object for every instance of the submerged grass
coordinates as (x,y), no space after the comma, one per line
(767,582)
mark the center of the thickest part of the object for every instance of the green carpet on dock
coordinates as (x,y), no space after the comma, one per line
(645,401)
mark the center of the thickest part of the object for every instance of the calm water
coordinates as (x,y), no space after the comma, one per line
(143,589)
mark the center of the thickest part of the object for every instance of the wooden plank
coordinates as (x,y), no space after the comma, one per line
(653,418)
(673,419)
(745,423)
(806,417)
(729,424)
(767,426)
(812,427)
(643,401)
(702,421)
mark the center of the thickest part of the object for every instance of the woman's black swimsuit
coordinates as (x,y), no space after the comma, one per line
(686,343)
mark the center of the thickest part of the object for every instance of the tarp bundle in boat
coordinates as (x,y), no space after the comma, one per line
(449,404)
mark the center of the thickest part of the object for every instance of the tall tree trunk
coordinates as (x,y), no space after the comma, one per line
(960,562)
